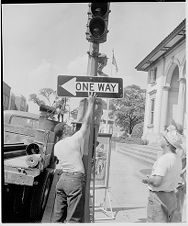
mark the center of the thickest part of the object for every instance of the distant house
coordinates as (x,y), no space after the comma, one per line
(12,105)
(12,101)
(6,96)
(166,88)
(21,103)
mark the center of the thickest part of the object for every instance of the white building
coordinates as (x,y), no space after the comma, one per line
(166,89)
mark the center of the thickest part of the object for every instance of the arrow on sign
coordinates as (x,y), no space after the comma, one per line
(73,86)
(80,86)
(70,86)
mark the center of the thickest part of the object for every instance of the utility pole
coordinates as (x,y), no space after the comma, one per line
(107,110)
(90,140)
(93,131)
(93,59)
(96,33)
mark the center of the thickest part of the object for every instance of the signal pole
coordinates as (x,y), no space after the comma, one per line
(96,33)
(91,70)
(93,59)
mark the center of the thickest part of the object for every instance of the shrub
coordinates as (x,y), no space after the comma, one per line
(137,130)
(145,142)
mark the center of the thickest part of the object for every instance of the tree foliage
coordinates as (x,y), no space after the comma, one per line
(48,97)
(47,93)
(137,130)
(33,97)
(129,110)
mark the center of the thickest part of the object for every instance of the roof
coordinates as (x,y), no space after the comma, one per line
(172,40)
(5,84)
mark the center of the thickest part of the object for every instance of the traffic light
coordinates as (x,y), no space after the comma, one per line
(97,22)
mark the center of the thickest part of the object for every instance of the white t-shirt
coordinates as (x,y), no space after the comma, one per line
(182,151)
(69,151)
(169,167)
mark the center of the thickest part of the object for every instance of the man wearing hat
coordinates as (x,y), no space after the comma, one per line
(69,201)
(181,151)
(163,181)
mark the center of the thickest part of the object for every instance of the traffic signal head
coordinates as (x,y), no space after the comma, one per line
(97,22)
(99,9)
(97,27)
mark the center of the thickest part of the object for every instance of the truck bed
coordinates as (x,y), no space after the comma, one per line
(16,171)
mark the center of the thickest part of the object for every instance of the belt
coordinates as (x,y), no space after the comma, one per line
(161,191)
(72,173)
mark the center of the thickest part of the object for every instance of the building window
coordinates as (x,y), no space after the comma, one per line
(153,75)
(152,111)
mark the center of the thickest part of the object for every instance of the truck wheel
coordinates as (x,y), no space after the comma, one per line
(40,196)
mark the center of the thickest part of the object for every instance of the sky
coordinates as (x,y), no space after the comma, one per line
(42,41)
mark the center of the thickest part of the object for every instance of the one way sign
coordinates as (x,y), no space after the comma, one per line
(80,86)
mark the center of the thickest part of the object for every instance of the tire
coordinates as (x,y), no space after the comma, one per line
(40,196)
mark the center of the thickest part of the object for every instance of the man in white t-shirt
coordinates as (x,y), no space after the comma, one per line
(163,181)
(69,202)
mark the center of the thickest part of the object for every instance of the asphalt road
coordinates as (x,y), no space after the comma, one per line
(128,195)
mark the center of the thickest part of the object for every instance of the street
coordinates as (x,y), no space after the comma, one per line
(128,194)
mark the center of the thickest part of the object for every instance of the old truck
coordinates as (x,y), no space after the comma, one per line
(28,165)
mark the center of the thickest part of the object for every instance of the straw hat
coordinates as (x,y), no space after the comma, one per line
(174,138)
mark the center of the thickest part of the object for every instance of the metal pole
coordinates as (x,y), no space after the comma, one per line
(93,59)
(107,109)
(91,70)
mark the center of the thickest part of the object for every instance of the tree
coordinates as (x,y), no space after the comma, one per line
(33,97)
(50,99)
(48,93)
(129,110)
(61,107)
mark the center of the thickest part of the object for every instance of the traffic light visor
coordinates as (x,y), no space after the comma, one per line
(99,9)
(97,27)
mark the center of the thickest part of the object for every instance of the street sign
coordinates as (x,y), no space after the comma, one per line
(80,86)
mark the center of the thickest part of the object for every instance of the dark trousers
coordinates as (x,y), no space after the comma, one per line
(69,201)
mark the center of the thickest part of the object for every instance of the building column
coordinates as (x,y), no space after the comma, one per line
(146,117)
(164,107)
(181,100)
(158,105)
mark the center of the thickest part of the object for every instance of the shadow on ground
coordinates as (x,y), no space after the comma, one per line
(118,209)
(145,171)
(141,220)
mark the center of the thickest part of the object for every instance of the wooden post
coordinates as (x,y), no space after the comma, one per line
(89,144)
